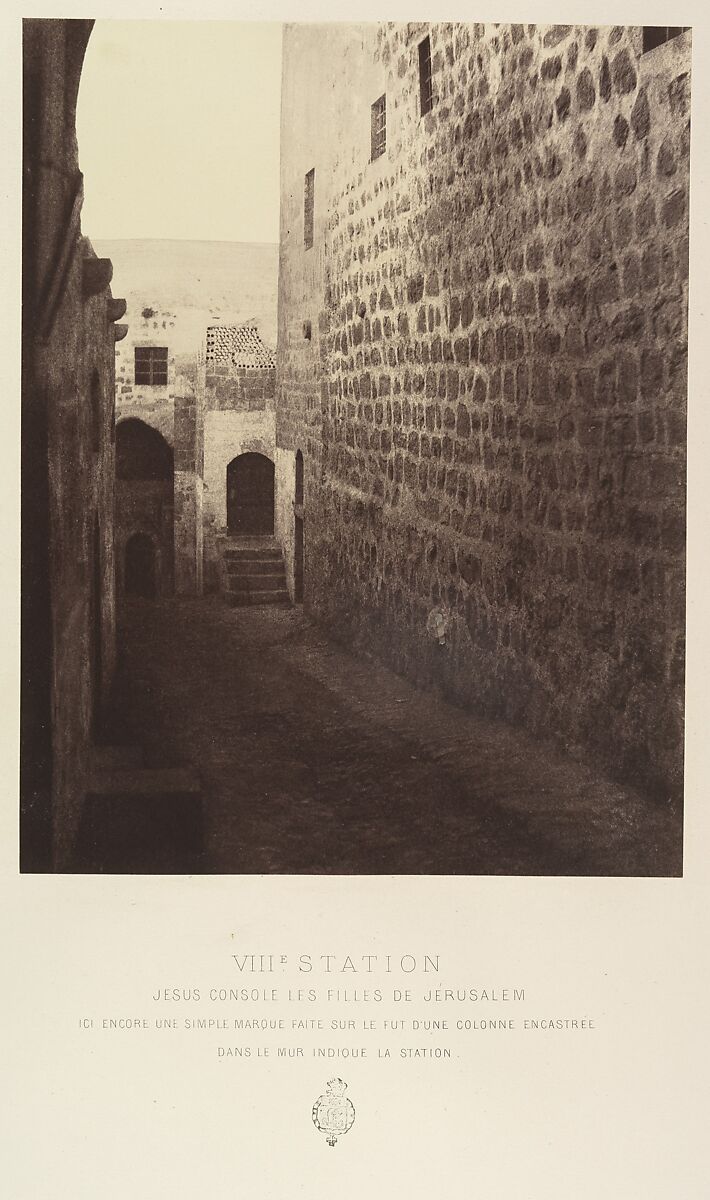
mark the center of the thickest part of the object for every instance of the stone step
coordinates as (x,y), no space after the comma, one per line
(256,583)
(115,758)
(256,553)
(141,821)
(255,566)
(254,574)
(239,599)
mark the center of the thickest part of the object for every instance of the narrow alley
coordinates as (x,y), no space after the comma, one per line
(312,761)
(431,392)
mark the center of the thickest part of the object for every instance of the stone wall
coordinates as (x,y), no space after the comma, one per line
(173,410)
(152,403)
(238,406)
(284,515)
(68,337)
(491,402)
(146,507)
(189,432)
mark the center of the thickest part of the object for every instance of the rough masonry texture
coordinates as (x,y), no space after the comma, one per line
(491,406)
(189,301)
(68,338)
(237,386)
(217,403)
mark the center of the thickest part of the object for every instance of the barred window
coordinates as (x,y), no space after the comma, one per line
(426,92)
(151,364)
(308,208)
(378,128)
(656,35)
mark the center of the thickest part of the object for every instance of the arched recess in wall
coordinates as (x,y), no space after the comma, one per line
(142,452)
(250,495)
(144,510)
(298,531)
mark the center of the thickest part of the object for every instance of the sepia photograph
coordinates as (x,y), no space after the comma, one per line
(354,393)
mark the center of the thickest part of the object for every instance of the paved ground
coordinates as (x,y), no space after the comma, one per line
(315,762)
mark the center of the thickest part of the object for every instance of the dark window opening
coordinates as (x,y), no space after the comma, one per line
(308,208)
(307,330)
(151,364)
(426,91)
(656,35)
(378,127)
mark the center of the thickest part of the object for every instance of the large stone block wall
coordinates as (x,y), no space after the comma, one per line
(239,389)
(491,404)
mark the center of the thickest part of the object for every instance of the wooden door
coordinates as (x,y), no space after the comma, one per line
(250,495)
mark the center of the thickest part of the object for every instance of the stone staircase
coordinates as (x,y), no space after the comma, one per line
(253,571)
(139,819)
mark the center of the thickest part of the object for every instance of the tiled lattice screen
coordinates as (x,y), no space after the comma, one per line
(239,345)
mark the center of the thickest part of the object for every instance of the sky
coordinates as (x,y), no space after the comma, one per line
(178,130)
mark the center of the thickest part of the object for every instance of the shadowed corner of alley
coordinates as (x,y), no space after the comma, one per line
(275,751)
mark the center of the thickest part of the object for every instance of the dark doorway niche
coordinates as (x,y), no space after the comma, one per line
(298,533)
(139,572)
(250,495)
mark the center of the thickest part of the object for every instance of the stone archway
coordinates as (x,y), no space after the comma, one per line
(250,495)
(142,452)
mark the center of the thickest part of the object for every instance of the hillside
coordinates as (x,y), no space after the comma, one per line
(202,282)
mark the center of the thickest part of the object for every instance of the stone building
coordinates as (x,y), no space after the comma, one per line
(482,344)
(195,432)
(68,336)
(158,490)
(237,386)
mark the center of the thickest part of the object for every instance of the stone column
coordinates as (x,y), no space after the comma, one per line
(188,497)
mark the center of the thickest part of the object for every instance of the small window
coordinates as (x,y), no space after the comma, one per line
(307,330)
(378,128)
(151,365)
(308,207)
(656,35)
(426,93)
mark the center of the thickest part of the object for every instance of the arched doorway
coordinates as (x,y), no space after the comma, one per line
(298,532)
(250,494)
(139,568)
(144,509)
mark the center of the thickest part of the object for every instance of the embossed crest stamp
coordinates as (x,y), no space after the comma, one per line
(333,1112)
